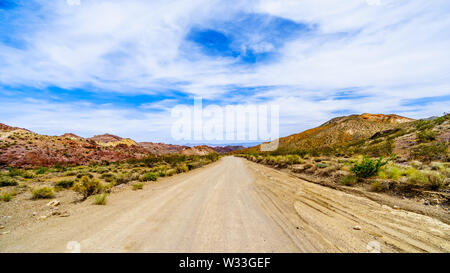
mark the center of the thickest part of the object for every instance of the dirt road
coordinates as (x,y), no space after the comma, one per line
(234,206)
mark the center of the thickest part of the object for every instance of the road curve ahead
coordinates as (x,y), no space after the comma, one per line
(234,206)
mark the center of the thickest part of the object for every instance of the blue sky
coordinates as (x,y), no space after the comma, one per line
(94,66)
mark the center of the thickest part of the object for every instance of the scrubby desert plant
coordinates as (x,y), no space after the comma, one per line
(368,167)
(435,181)
(349,180)
(138,186)
(429,152)
(321,165)
(390,172)
(377,186)
(416,177)
(122,178)
(64,184)
(41,170)
(149,177)
(100,199)
(171,172)
(6,197)
(87,187)
(6,181)
(182,168)
(42,193)
(425,136)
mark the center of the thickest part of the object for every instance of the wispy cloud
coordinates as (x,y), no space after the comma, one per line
(127,62)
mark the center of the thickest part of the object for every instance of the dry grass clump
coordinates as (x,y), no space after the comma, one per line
(42,193)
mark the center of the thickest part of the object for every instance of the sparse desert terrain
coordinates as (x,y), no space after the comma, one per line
(233,205)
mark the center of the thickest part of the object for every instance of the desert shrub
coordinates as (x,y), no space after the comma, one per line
(181,168)
(437,166)
(390,172)
(122,178)
(328,171)
(193,165)
(42,193)
(70,173)
(416,177)
(64,184)
(293,159)
(381,149)
(435,181)
(149,177)
(6,197)
(138,186)
(440,120)
(321,165)
(171,172)
(12,172)
(41,170)
(162,173)
(377,186)
(26,174)
(429,152)
(6,181)
(87,186)
(425,136)
(424,125)
(416,165)
(100,199)
(82,174)
(349,180)
(368,167)
(108,177)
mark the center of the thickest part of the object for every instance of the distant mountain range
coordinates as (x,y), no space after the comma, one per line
(374,132)
(22,148)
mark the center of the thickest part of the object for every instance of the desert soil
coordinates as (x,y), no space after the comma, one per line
(233,205)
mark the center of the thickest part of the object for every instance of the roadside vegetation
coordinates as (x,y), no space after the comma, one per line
(423,170)
(95,180)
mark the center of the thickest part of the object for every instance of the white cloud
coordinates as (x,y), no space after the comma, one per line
(396,50)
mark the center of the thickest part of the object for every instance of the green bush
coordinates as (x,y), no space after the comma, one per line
(41,170)
(87,187)
(425,136)
(109,177)
(435,181)
(122,178)
(377,186)
(416,177)
(391,172)
(429,152)
(6,197)
(171,172)
(26,174)
(321,165)
(182,168)
(64,184)
(81,174)
(6,181)
(138,186)
(349,180)
(42,193)
(424,125)
(149,177)
(368,167)
(100,199)
(14,172)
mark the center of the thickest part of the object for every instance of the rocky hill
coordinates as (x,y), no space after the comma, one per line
(23,148)
(198,150)
(341,130)
(227,149)
(162,148)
